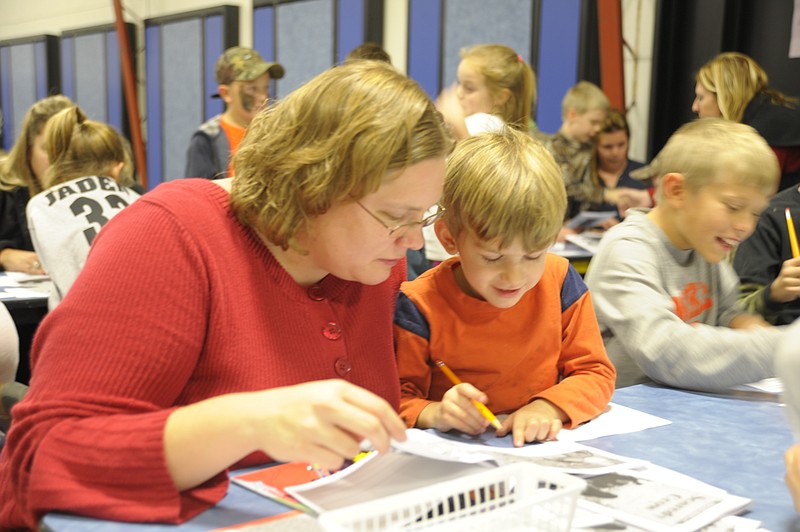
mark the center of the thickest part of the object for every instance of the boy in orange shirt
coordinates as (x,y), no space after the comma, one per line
(514,322)
(244,79)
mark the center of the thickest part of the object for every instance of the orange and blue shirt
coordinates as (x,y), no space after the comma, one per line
(547,346)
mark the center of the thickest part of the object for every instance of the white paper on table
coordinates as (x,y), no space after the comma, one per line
(19,277)
(588,240)
(772,385)
(22,293)
(616,419)
(568,250)
(586,520)
(734,523)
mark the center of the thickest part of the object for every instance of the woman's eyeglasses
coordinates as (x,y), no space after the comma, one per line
(402,229)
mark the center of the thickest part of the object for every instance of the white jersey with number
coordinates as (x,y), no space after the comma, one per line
(64,220)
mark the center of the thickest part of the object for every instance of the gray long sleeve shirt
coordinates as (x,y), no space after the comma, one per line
(664,313)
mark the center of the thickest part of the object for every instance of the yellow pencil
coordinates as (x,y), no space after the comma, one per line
(792,234)
(482,407)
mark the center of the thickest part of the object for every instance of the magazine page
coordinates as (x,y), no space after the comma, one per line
(654,499)
(566,457)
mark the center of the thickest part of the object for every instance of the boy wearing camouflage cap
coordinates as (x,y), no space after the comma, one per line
(243,77)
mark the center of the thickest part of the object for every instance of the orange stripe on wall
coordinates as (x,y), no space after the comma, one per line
(612,78)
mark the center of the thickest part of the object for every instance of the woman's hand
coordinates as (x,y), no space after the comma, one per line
(321,422)
(20,260)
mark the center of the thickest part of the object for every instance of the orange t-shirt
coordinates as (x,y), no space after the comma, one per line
(235,135)
(547,346)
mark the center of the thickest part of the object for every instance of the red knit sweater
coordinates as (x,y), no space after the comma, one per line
(178,302)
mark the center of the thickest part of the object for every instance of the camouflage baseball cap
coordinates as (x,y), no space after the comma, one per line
(244,64)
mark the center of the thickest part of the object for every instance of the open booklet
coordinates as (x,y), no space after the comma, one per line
(377,476)
(630,492)
(297,486)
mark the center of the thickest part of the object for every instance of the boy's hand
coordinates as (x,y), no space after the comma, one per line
(538,421)
(786,287)
(627,198)
(455,411)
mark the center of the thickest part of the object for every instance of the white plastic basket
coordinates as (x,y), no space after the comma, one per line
(519,496)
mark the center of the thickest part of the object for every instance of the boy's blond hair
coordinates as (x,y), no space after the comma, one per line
(583,97)
(504,186)
(333,139)
(707,150)
(504,68)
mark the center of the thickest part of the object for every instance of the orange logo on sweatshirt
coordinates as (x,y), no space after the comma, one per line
(692,301)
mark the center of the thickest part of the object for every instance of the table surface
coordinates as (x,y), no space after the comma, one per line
(42,288)
(735,442)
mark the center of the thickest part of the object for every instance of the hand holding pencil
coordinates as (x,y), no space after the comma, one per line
(792,234)
(455,409)
(786,286)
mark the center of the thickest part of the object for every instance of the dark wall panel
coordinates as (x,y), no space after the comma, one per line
(765,35)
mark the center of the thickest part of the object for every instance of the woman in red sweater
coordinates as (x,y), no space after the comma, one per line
(220,324)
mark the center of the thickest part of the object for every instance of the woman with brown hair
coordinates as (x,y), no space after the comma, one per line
(222,324)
